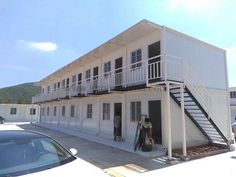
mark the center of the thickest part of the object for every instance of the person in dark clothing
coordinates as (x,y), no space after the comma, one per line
(117,126)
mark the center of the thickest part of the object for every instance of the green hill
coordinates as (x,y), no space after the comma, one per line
(20,94)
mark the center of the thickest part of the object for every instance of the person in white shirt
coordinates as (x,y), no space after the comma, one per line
(234,128)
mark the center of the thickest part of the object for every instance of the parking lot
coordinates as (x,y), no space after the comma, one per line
(120,163)
(115,161)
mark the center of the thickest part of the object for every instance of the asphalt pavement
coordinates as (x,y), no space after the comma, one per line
(120,163)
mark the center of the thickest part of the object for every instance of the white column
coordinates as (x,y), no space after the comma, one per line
(81,113)
(168,120)
(99,115)
(183,121)
(123,121)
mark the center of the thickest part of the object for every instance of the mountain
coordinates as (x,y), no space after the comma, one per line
(21,94)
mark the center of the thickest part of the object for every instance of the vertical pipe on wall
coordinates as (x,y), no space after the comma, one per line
(168,120)
(183,121)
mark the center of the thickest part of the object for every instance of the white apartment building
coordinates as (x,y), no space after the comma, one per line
(233,103)
(178,81)
(19,112)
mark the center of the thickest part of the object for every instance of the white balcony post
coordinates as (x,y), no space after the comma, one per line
(183,121)
(108,83)
(146,63)
(168,120)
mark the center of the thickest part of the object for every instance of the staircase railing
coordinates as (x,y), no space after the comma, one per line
(196,87)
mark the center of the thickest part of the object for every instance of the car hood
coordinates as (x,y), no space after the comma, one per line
(76,168)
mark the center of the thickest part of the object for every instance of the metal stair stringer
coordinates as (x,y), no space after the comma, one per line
(199,117)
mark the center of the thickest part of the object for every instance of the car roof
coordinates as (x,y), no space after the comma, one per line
(6,135)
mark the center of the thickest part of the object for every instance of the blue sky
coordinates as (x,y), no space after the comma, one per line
(40,36)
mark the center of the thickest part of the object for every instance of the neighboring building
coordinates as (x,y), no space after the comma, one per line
(19,112)
(233,103)
(142,71)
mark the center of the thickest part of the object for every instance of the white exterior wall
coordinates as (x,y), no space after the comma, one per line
(209,65)
(104,128)
(22,112)
(208,62)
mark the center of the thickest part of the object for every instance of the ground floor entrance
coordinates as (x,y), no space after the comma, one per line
(118,113)
(154,108)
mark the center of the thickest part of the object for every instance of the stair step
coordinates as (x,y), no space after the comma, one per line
(215,136)
(210,132)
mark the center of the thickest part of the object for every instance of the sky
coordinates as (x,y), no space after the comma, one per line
(38,37)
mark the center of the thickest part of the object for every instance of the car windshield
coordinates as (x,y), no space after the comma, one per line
(28,155)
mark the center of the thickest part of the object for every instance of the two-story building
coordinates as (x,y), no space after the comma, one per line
(233,103)
(178,81)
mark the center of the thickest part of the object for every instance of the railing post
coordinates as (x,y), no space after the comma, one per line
(164,62)
(147,78)
(108,84)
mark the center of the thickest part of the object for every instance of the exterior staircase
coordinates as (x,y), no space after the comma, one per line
(199,117)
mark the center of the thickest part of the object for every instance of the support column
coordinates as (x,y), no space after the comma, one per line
(183,121)
(123,133)
(168,120)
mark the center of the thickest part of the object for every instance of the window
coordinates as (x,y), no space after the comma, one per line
(106,111)
(73,79)
(48,89)
(233,94)
(42,111)
(67,82)
(63,111)
(89,111)
(13,111)
(32,111)
(54,111)
(42,91)
(58,85)
(48,111)
(87,75)
(107,69)
(55,87)
(72,111)
(63,83)
(136,57)
(79,78)
(135,111)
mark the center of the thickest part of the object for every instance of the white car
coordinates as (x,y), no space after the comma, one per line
(27,153)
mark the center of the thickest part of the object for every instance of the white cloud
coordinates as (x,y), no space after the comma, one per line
(42,46)
(210,7)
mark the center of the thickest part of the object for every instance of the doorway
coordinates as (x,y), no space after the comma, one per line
(95,79)
(154,108)
(154,65)
(118,112)
(118,72)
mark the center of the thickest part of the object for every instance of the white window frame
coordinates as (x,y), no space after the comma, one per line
(89,111)
(136,58)
(106,111)
(13,111)
(107,69)
(135,116)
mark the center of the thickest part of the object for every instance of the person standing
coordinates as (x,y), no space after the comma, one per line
(117,126)
(234,128)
